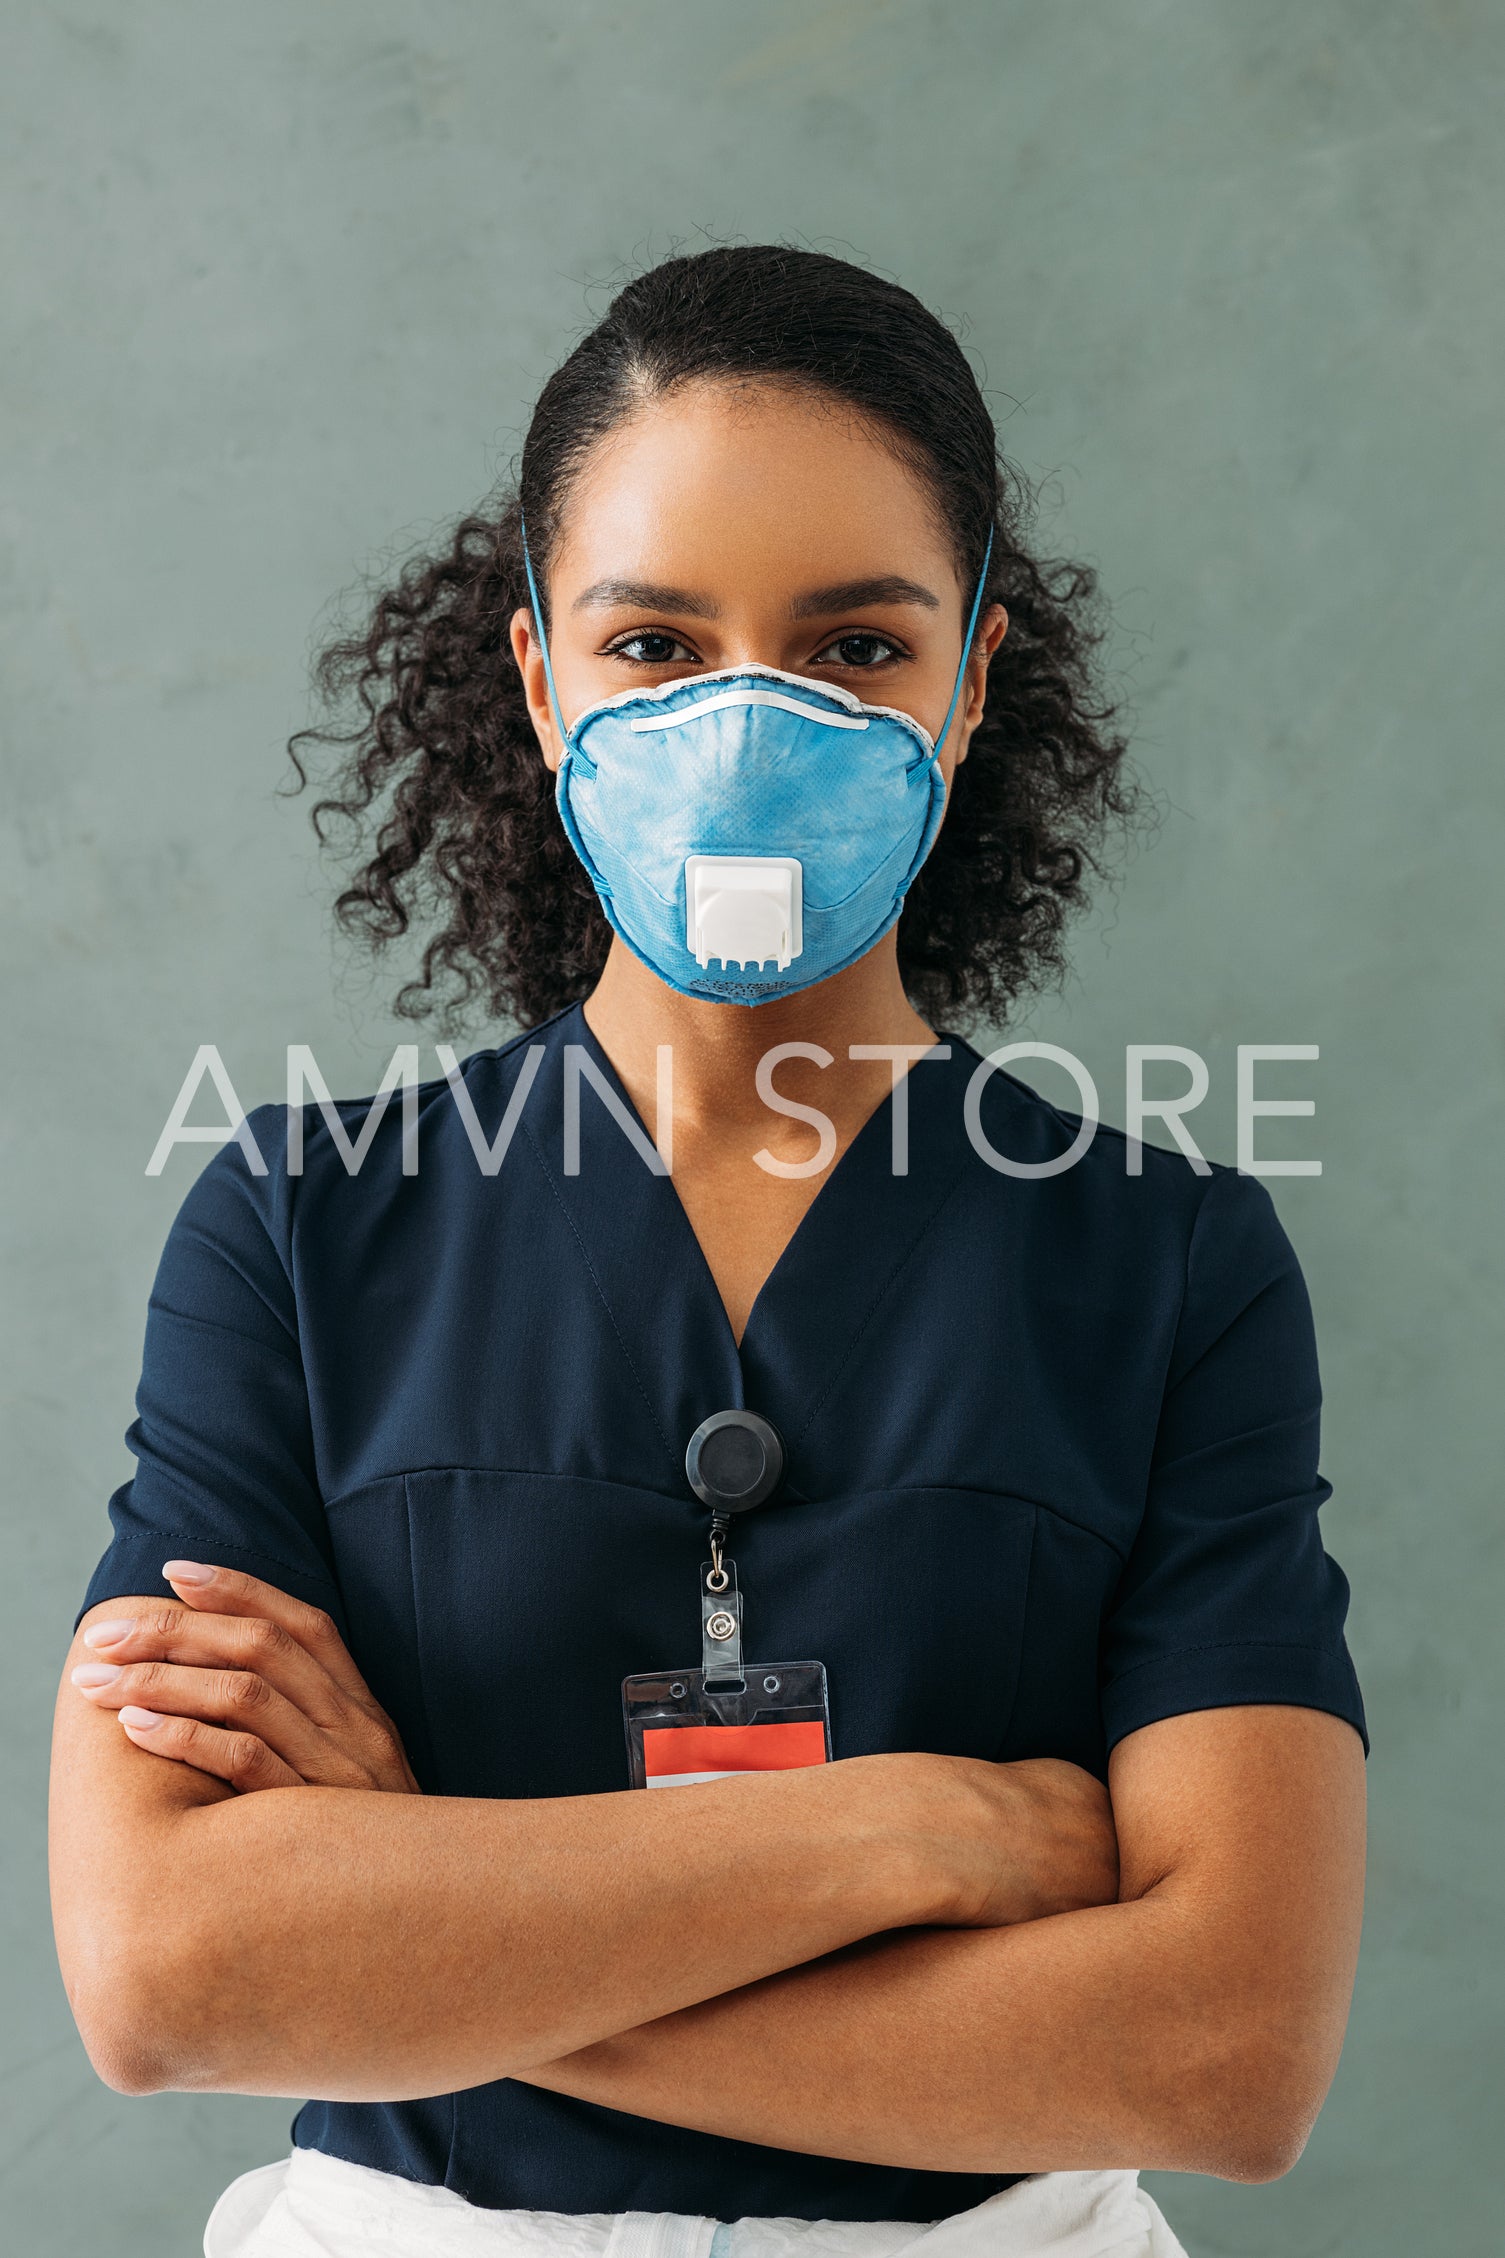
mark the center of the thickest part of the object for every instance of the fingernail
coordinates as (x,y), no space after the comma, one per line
(111,1633)
(95,1674)
(190,1572)
(140,1720)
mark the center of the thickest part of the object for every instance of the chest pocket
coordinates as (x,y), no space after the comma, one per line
(495,1615)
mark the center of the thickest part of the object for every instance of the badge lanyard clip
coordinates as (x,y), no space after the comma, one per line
(720,1624)
(734,1463)
(690,1726)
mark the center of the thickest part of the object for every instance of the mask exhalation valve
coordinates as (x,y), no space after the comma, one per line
(744,910)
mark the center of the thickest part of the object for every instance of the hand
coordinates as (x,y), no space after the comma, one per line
(1006,1842)
(245,1683)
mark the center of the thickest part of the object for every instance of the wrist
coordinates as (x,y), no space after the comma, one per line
(899,1840)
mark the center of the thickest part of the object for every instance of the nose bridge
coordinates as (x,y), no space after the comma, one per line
(742,708)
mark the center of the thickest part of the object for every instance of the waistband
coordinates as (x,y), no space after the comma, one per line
(311,2205)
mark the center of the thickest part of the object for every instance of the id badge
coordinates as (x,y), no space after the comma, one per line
(725,1717)
(685,1727)
(681,1733)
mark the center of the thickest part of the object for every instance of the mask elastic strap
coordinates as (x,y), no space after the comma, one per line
(543,640)
(961,672)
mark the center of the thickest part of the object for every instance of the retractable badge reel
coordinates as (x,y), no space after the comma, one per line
(729,1715)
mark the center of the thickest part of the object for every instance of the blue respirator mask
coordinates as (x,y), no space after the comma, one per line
(749,832)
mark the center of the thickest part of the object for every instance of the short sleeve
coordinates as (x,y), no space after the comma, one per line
(222,1435)
(1227,1596)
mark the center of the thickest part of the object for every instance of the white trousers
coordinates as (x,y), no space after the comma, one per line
(316,2206)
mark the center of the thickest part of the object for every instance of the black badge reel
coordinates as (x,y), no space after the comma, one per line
(688,1726)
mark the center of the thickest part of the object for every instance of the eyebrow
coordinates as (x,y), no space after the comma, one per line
(843,595)
(853,595)
(646,596)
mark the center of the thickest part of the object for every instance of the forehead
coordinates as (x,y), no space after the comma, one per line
(718,480)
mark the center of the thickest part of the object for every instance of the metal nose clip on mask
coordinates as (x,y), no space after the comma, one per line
(749,832)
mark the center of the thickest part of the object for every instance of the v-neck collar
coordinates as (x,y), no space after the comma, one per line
(845,1256)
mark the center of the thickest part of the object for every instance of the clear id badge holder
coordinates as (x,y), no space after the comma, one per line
(729,1716)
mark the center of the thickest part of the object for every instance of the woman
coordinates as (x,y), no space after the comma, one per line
(1028,1418)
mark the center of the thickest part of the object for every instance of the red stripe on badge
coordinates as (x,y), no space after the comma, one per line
(673,1750)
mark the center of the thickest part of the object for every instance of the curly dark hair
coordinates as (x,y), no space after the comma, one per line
(425,703)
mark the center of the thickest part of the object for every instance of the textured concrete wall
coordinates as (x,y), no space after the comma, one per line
(282,281)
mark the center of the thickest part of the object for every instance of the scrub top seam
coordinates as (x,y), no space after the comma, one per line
(152,1537)
(611,1316)
(1168,1384)
(646,1489)
(418,1670)
(290,1189)
(1025,1582)
(1171,1379)
(530,1473)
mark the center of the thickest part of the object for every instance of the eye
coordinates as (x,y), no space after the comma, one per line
(861,648)
(652,646)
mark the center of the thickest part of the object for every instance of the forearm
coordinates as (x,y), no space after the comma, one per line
(358,1945)
(332,1932)
(1116,2036)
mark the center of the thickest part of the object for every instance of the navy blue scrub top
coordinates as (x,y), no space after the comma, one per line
(1052,1476)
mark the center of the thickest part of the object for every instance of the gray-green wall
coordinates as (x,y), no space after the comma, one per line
(281,282)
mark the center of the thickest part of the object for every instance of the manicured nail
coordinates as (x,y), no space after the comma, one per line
(91,1674)
(191,1572)
(140,1720)
(111,1633)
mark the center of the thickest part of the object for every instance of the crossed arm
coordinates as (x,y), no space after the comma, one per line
(909,1960)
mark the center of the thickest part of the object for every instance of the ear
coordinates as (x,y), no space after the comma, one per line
(528,652)
(991,630)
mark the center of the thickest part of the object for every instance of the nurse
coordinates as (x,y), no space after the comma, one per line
(734,1353)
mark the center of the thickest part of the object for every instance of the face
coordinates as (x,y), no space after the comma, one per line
(725,526)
